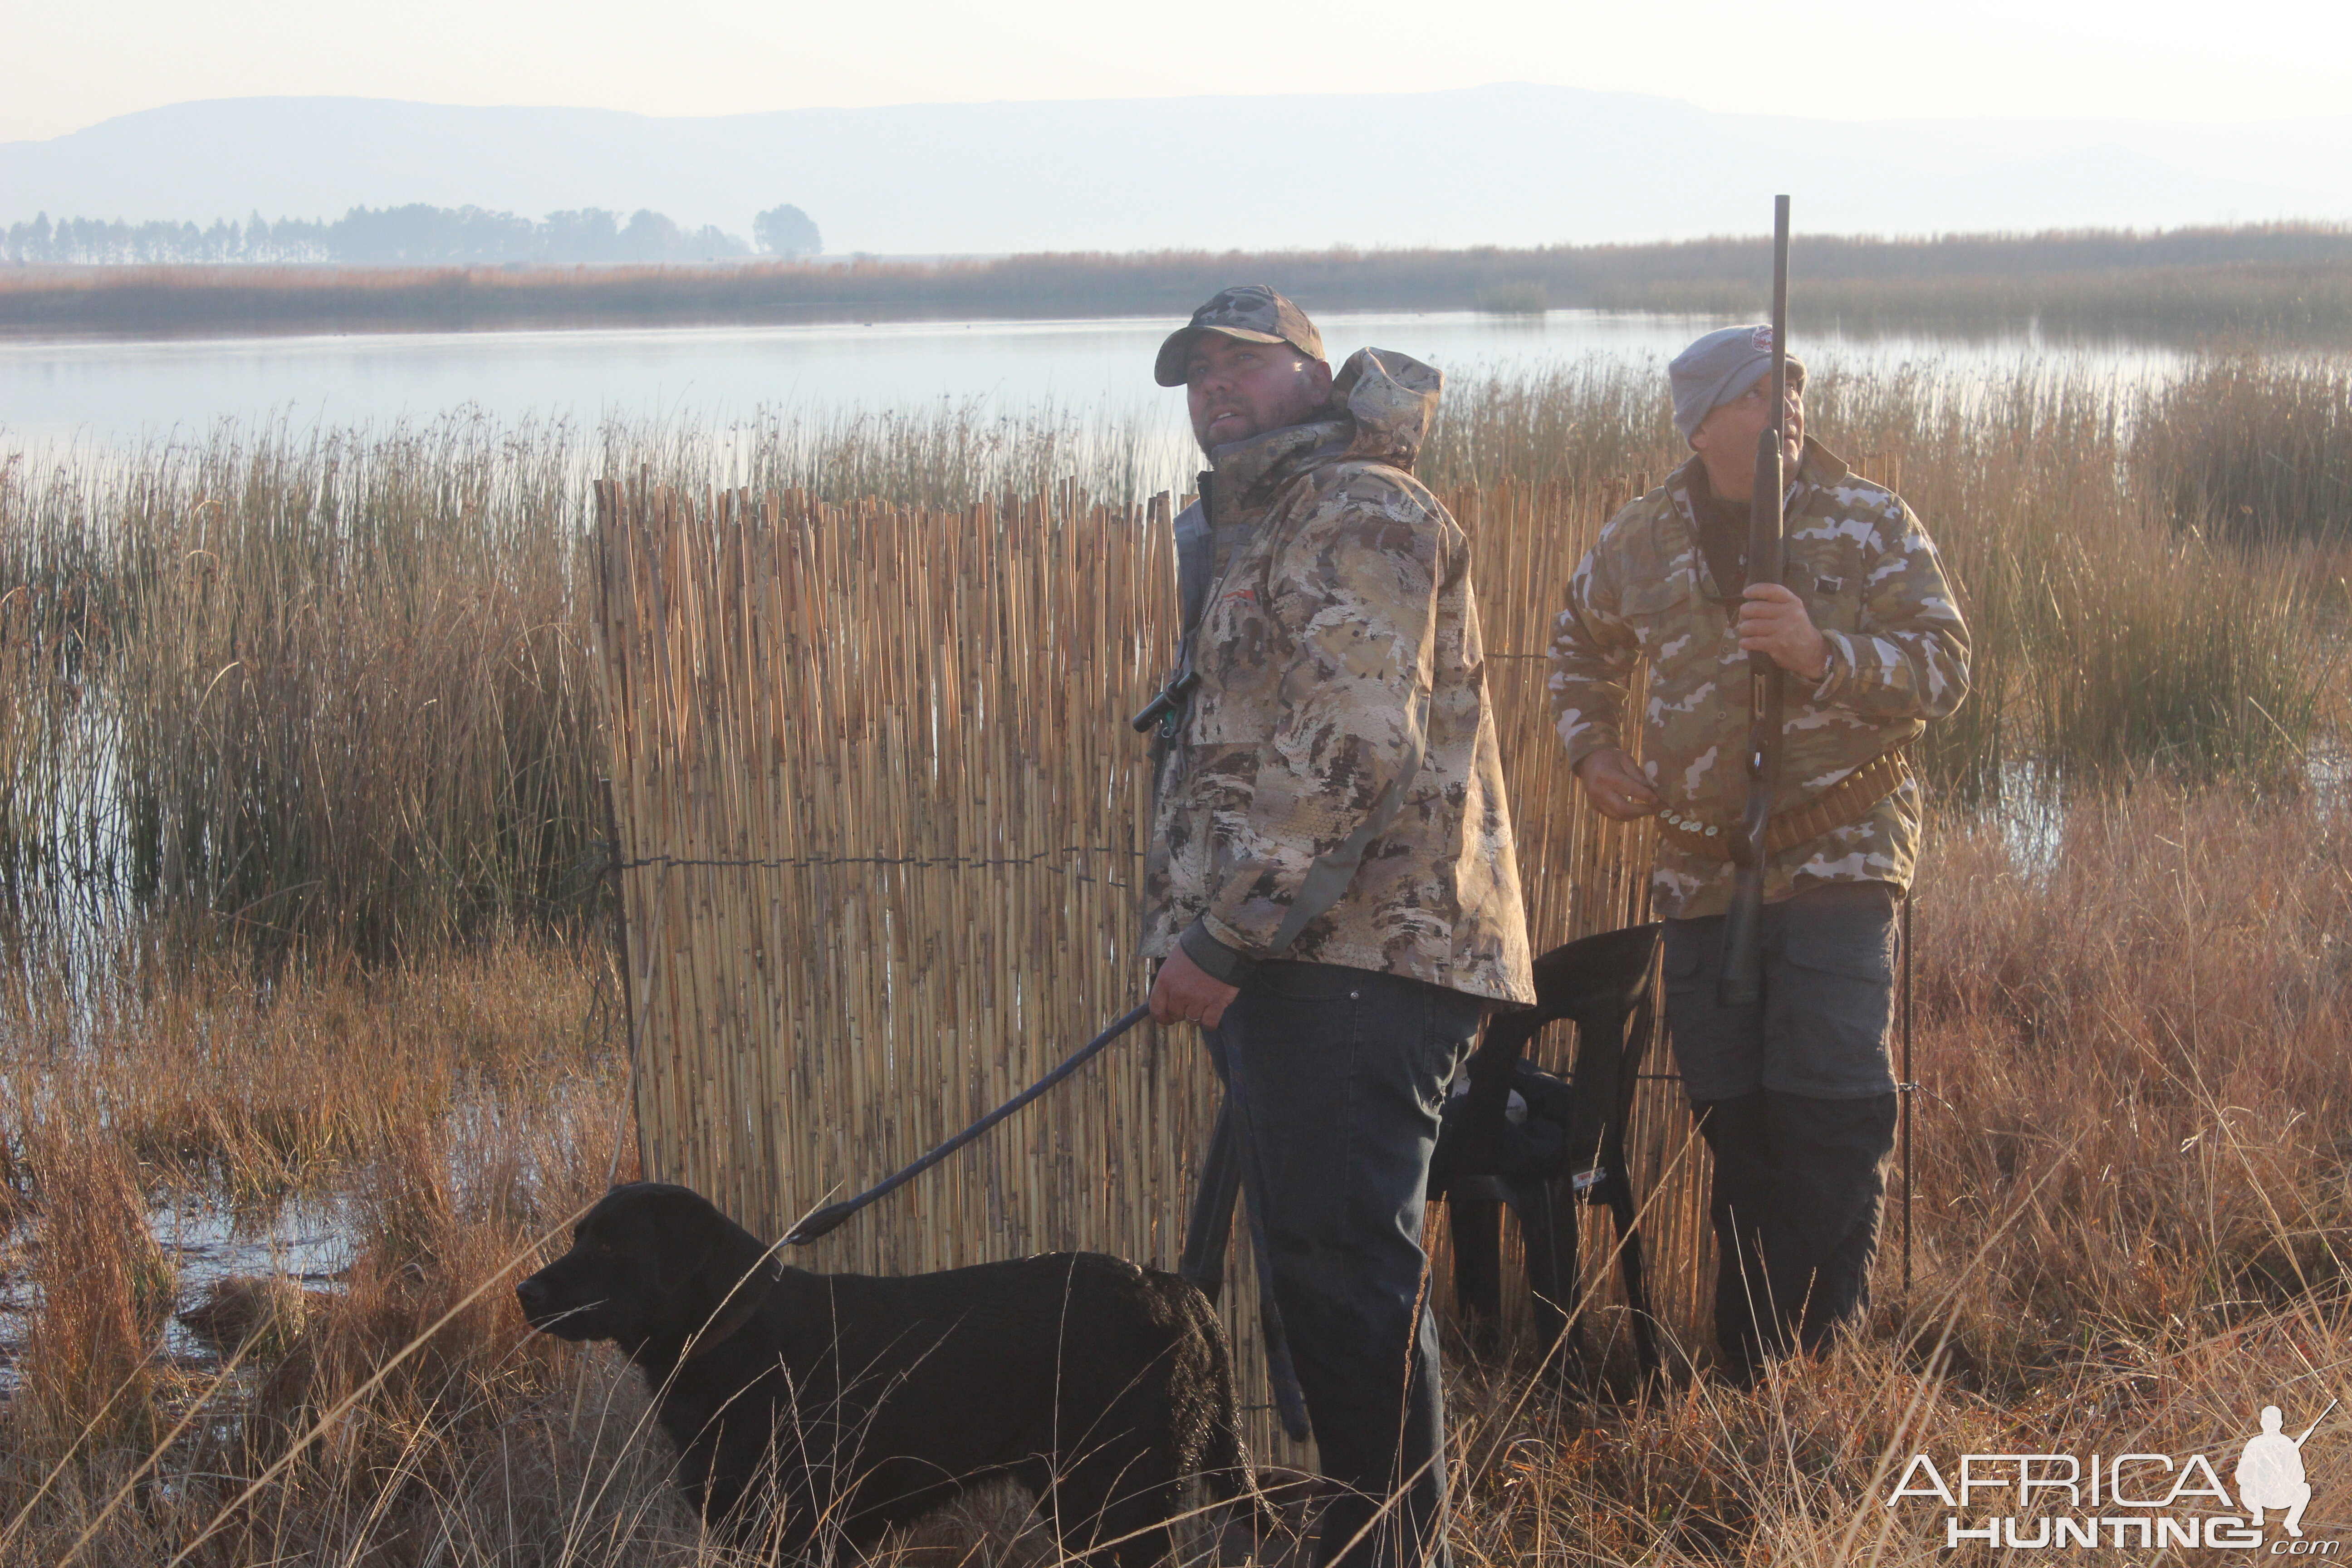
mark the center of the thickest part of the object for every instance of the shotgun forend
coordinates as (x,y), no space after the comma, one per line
(1741,980)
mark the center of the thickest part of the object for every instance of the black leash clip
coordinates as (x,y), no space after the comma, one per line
(1167,709)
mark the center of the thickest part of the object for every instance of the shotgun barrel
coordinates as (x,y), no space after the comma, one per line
(1741,981)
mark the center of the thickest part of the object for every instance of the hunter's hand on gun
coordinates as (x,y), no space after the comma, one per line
(1186,993)
(1772,620)
(1613,782)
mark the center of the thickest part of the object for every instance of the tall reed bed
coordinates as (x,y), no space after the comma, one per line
(2253,451)
(2276,304)
(309,686)
(2109,639)
(333,687)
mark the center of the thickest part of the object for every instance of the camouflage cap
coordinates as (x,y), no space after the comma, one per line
(1251,312)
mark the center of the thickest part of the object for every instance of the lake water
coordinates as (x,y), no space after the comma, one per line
(109,393)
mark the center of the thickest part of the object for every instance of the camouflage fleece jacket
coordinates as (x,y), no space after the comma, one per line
(1898,656)
(1342,707)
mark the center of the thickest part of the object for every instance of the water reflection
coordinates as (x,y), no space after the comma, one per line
(120,391)
(2031,809)
(205,1242)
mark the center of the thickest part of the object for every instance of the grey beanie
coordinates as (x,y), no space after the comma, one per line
(1719,367)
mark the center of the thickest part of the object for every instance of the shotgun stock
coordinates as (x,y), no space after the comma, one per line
(1741,980)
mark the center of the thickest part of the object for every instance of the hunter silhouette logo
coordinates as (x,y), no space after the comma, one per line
(2052,1501)
(2270,1472)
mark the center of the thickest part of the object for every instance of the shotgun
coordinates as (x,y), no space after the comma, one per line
(1742,980)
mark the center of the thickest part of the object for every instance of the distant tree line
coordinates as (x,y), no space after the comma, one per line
(415,234)
(2263,283)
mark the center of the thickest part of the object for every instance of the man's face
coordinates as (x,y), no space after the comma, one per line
(1236,390)
(1726,440)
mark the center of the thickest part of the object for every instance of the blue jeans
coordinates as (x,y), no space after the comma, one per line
(1336,1078)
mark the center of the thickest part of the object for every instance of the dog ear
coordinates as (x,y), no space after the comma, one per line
(684,1232)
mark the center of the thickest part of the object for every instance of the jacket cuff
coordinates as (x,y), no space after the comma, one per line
(1593,737)
(1218,961)
(1838,674)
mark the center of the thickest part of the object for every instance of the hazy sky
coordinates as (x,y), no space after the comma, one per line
(75,62)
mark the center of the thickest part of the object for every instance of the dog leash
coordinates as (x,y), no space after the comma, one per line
(830,1216)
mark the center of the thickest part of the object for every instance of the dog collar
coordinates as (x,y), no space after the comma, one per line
(728,1324)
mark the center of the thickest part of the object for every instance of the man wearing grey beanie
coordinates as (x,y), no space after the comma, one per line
(1794,1093)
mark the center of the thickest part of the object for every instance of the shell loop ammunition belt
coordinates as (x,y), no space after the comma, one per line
(1848,801)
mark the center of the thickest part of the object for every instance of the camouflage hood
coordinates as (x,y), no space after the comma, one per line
(1390,401)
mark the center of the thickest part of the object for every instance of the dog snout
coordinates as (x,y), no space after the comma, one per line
(531,1294)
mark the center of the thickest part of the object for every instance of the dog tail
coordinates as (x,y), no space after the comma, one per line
(1224,1461)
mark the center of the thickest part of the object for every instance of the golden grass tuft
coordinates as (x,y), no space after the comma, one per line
(104,1287)
(2150,1032)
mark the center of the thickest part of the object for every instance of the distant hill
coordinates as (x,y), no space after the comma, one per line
(1503,164)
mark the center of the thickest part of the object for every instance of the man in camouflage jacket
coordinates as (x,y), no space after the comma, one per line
(1332,882)
(1794,1093)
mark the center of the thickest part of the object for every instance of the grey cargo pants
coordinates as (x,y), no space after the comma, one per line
(1797,1101)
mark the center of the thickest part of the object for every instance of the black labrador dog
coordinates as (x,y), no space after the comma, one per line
(844,1404)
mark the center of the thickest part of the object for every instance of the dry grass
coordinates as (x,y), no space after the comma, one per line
(2133,1205)
(455,1112)
(2132,1193)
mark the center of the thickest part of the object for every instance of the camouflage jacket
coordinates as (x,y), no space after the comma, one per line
(1898,656)
(1341,708)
